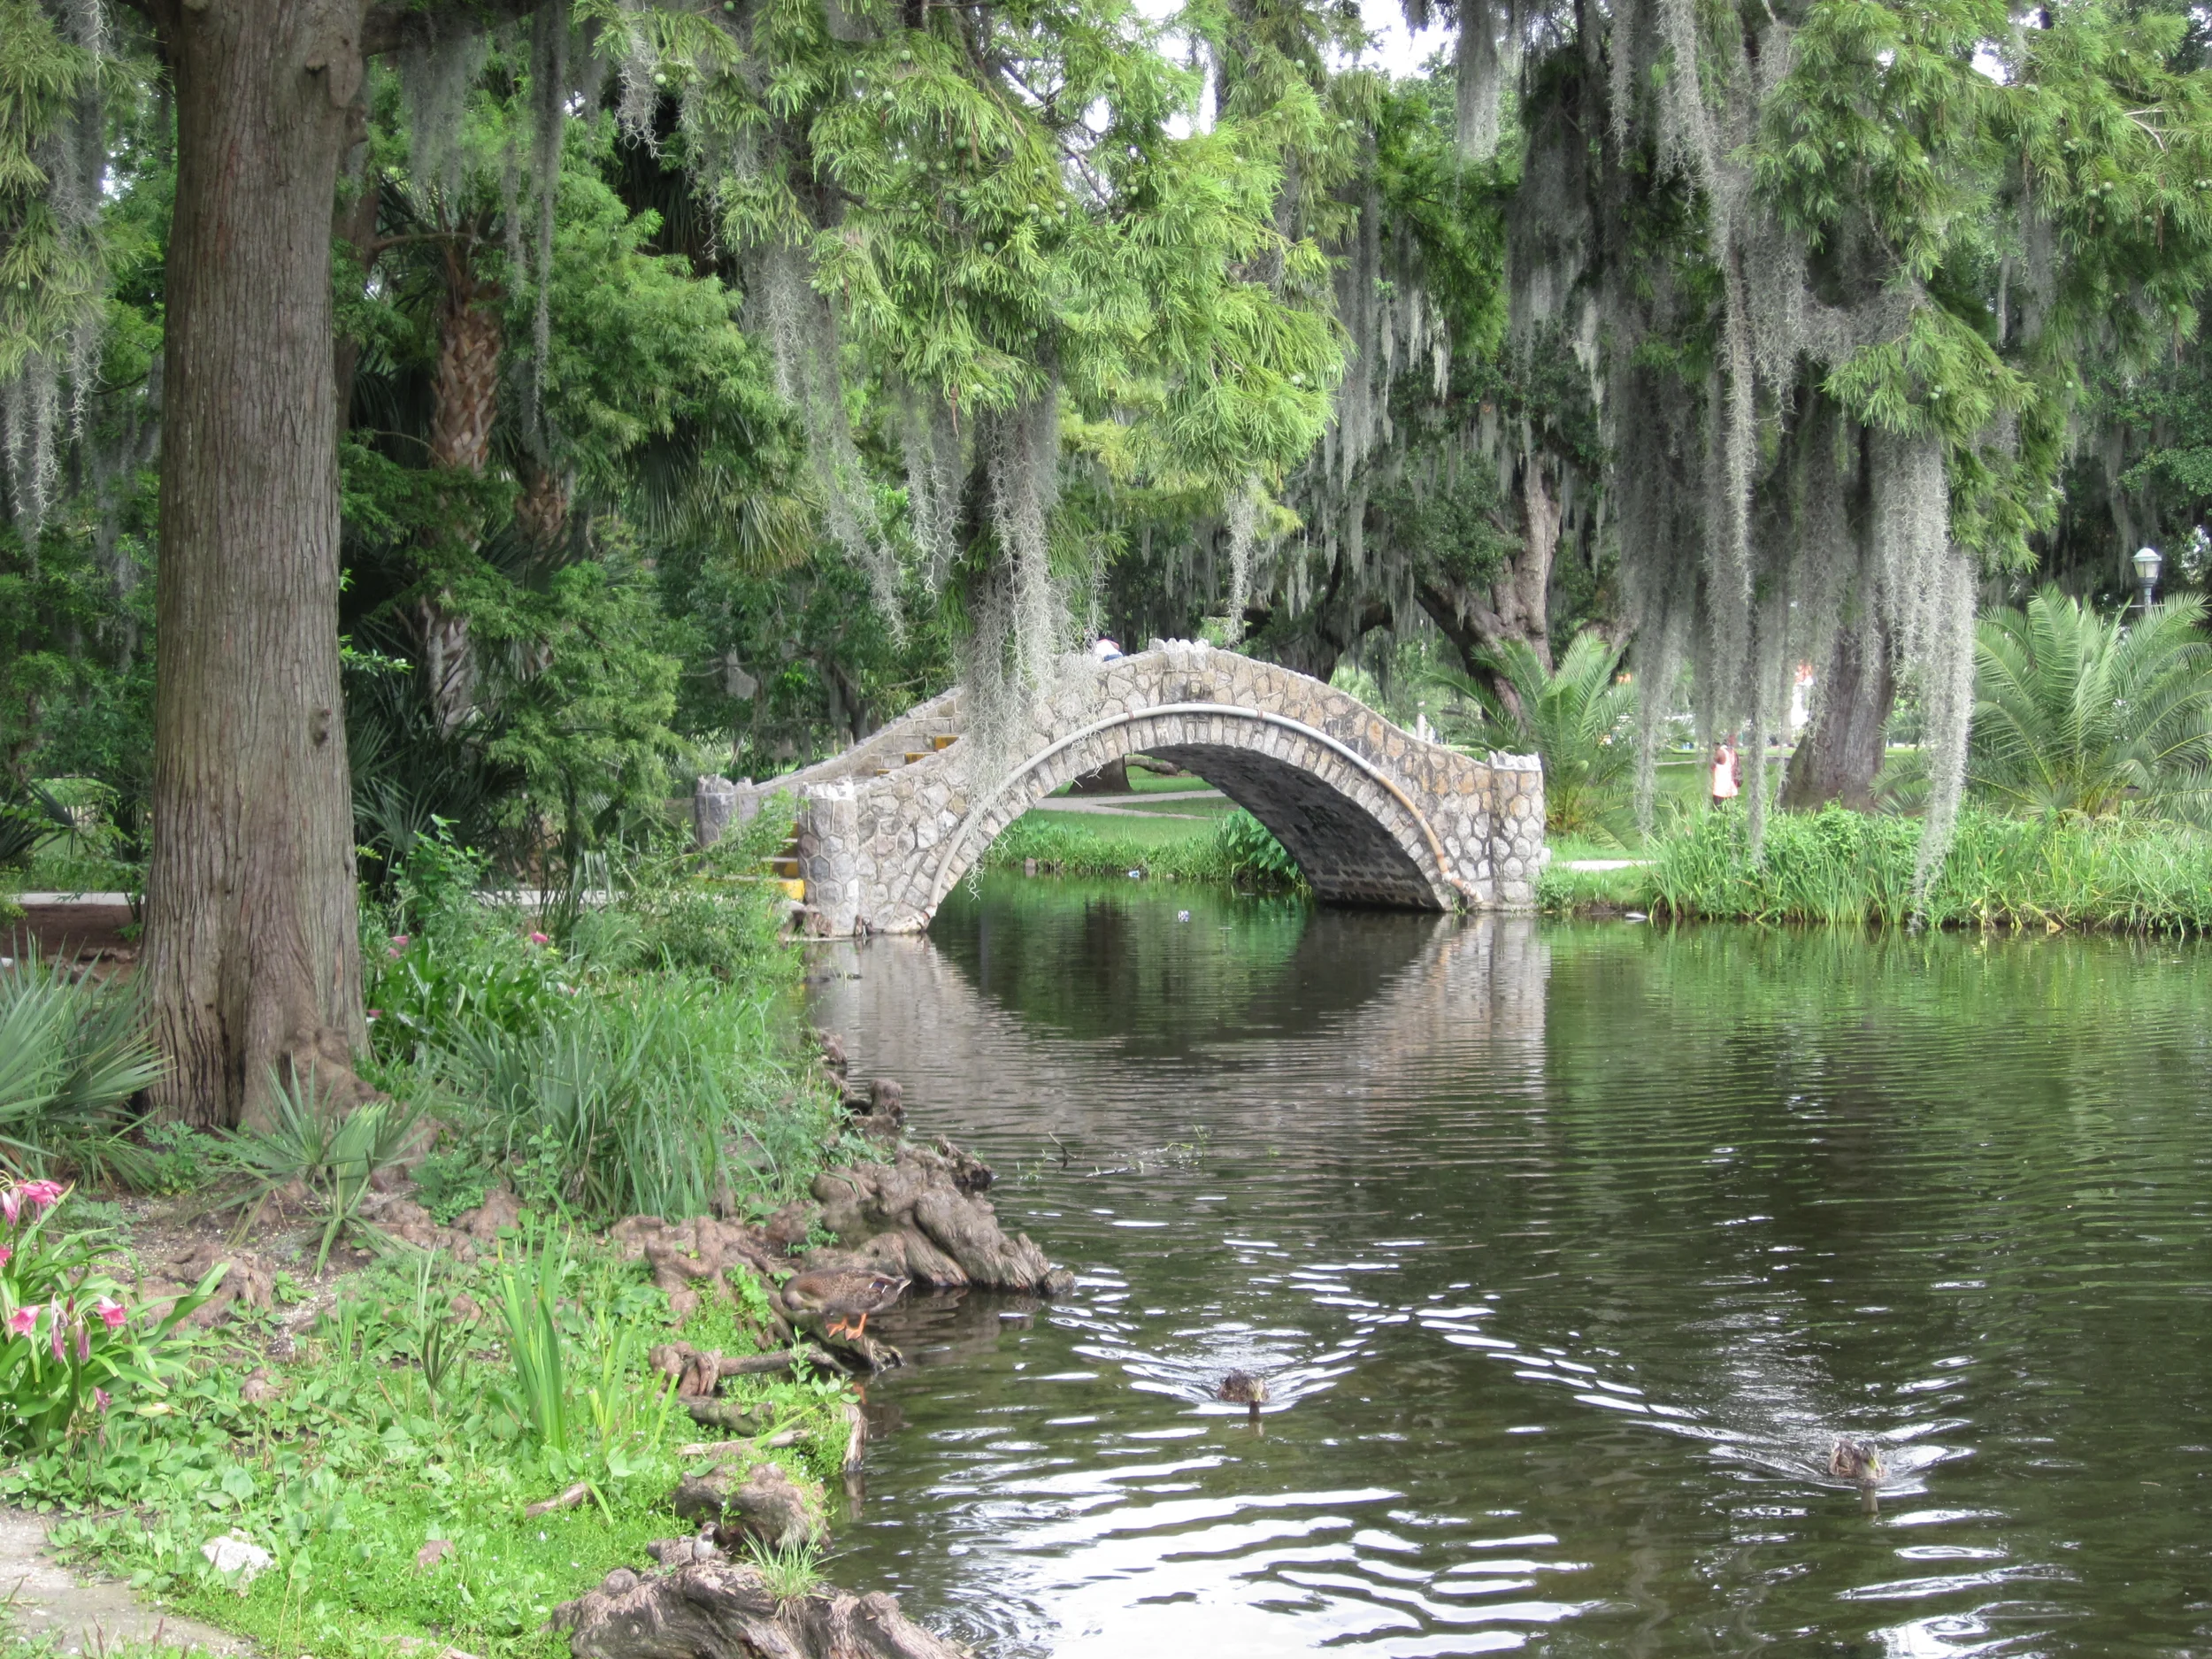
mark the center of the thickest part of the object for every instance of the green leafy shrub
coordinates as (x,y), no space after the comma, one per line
(2078,714)
(424,992)
(71,1055)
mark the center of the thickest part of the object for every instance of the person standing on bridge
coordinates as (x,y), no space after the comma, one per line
(1727,772)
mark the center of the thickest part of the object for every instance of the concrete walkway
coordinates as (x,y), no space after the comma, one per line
(46,1601)
(1106,806)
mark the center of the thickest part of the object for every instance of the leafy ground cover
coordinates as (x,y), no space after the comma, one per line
(388,1467)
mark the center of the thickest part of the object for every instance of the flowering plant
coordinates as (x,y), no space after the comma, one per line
(68,1345)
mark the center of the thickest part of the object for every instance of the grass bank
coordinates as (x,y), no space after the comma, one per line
(381,1438)
(1838,866)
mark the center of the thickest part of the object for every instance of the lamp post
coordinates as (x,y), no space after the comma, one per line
(2147,567)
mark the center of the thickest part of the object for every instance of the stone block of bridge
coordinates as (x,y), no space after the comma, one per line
(1372,814)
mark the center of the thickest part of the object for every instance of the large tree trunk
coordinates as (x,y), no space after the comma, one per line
(1841,750)
(252,956)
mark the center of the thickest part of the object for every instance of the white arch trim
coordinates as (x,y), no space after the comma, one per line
(976,813)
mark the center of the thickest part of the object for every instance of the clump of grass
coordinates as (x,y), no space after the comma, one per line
(795,1570)
(638,1062)
(2128,874)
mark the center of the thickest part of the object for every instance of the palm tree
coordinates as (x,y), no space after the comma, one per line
(1577,717)
(2077,714)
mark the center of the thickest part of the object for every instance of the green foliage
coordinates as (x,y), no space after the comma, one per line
(72,1054)
(634,1065)
(529,1301)
(70,1349)
(1238,849)
(2078,714)
(332,1150)
(1852,869)
(1579,717)
(369,1451)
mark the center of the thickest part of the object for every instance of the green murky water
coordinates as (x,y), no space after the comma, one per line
(1569,1251)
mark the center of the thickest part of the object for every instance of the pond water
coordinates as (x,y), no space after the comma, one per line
(1568,1250)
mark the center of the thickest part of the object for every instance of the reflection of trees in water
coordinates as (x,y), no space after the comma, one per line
(1880,1161)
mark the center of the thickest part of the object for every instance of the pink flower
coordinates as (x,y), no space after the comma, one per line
(84,1345)
(100,1395)
(53,1334)
(6,1255)
(376,1013)
(112,1314)
(10,1205)
(43,1193)
(539,939)
(23,1321)
(400,942)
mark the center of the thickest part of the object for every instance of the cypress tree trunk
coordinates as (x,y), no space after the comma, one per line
(1842,751)
(252,956)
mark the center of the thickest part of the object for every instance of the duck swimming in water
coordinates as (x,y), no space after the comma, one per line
(1242,1387)
(1858,1461)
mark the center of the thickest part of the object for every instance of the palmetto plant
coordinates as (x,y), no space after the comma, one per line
(1577,717)
(72,1054)
(332,1151)
(2076,715)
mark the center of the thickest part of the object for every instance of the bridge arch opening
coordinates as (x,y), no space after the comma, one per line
(1354,833)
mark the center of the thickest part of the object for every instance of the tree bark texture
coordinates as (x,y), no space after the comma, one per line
(252,957)
(1842,751)
(464,402)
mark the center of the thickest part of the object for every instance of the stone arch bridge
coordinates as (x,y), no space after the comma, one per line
(1373,815)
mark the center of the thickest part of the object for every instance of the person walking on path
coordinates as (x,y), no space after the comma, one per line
(1727,781)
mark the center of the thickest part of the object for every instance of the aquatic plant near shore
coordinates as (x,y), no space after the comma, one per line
(2125,873)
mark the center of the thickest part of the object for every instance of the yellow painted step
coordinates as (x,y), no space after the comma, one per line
(943,739)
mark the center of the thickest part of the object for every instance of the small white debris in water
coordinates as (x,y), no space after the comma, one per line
(1136,875)
(1182,915)
(1635,916)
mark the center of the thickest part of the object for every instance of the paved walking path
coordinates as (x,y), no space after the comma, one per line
(1107,807)
(89,1616)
